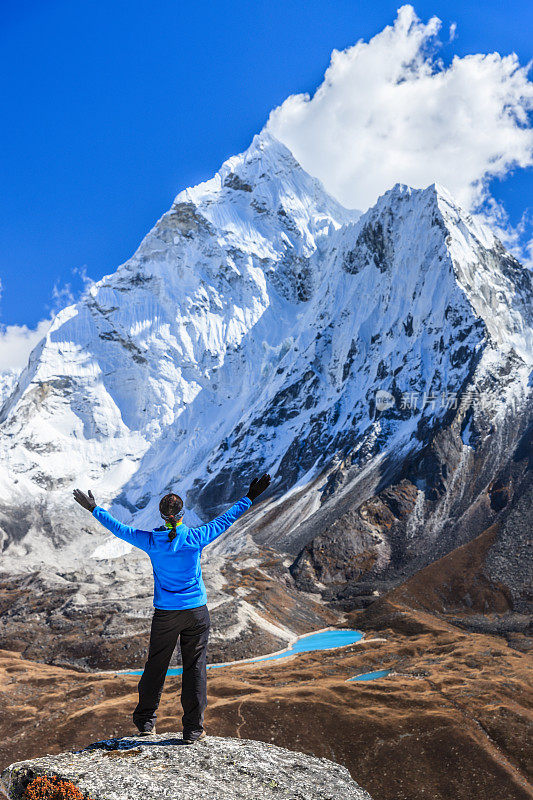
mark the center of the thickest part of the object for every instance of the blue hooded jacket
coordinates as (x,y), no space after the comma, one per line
(178,581)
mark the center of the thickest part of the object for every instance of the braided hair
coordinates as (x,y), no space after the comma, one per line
(171,509)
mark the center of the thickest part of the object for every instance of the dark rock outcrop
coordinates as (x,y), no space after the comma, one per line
(383,529)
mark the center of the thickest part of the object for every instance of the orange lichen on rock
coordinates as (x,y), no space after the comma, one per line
(51,787)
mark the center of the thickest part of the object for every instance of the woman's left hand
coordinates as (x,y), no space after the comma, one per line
(85,500)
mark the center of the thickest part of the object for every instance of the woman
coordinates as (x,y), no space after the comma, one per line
(179,602)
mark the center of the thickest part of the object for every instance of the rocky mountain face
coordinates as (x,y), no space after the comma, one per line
(485,584)
(377,365)
(470,491)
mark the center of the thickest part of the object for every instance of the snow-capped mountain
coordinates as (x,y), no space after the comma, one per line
(262,326)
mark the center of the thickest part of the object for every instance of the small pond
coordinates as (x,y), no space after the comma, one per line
(371,676)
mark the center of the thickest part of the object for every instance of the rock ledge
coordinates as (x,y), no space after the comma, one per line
(161,766)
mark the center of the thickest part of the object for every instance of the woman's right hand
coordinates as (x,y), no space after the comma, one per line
(258,485)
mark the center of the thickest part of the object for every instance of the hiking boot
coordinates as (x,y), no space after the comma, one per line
(192,738)
(147,729)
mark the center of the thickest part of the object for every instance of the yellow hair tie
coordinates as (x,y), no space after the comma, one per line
(169,524)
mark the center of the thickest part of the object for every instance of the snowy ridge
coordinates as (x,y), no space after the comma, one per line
(252,329)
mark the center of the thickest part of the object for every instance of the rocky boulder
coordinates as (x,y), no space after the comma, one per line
(160,766)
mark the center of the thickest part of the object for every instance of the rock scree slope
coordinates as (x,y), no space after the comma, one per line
(216,769)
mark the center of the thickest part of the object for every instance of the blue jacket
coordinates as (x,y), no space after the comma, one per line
(178,581)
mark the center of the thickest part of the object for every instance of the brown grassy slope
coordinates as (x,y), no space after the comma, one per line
(452,723)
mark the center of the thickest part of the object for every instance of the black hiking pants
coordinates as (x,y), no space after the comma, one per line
(192,627)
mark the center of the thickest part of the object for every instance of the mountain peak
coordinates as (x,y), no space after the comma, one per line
(441,191)
(428,194)
(266,147)
(267,173)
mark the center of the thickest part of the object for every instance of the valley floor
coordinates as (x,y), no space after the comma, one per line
(450,721)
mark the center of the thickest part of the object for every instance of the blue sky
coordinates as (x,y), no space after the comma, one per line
(110,108)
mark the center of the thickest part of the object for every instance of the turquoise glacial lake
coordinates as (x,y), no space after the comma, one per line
(325,640)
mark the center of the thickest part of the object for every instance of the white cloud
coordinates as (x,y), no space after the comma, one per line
(518,239)
(389,110)
(17,342)
(63,295)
